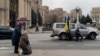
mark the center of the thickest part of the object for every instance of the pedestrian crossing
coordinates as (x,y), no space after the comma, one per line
(67,45)
(6,48)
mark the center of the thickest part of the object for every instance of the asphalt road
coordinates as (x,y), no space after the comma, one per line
(45,42)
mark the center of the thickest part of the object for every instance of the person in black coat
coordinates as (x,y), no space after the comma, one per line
(16,37)
(78,34)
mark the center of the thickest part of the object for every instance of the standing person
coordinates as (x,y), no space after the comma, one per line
(78,34)
(16,37)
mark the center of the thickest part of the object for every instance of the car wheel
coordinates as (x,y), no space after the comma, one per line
(63,36)
(92,36)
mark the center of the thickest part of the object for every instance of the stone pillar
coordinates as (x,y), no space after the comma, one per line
(21,9)
(7,13)
(30,12)
(28,9)
(25,9)
(43,20)
(2,19)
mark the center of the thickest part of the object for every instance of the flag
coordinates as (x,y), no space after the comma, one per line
(67,24)
(65,19)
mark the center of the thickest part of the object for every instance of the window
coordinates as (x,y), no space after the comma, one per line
(72,26)
(81,26)
(60,25)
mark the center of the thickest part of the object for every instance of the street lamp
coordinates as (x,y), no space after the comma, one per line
(37,28)
(77,10)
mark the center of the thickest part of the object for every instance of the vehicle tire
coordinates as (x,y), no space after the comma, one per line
(63,36)
(87,37)
(92,36)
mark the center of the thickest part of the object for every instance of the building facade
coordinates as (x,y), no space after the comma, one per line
(45,14)
(4,12)
(13,10)
(95,14)
(73,14)
(58,14)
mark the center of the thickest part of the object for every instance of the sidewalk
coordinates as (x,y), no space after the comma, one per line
(32,31)
(55,53)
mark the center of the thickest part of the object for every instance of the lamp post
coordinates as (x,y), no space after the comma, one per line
(37,28)
(77,10)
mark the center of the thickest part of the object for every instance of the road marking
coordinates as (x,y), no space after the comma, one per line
(91,44)
(4,48)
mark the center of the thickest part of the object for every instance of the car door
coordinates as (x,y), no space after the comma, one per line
(6,32)
(83,29)
(59,27)
(72,29)
(1,32)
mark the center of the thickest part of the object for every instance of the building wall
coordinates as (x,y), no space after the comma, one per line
(45,14)
(24,10)
(4,12)
(95,14)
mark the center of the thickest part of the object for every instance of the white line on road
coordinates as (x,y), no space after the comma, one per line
(4,48)
(91,44)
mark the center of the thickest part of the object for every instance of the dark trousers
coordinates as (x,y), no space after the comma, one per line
(16,49)
(24,51)
(69,36)
(77,38)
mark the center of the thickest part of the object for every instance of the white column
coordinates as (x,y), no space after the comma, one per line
(77,18)
(30,13)
(99,20)
(7,13)
(21,8)
(3,17)
(28,10)
(0,16)
(43,20)
(25,9)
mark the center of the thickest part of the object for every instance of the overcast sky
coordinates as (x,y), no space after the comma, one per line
(67,5)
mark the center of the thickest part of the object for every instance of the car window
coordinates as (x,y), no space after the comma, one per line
(72,26)
(81,26)
(1,29)
(5,28)
(60,25)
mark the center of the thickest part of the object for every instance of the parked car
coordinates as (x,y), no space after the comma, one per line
(6,32)
(88,32)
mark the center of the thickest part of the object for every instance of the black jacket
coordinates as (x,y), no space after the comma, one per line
(16,35)
(77,33)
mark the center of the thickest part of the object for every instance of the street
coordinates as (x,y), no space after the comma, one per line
(45,42)
(43,45)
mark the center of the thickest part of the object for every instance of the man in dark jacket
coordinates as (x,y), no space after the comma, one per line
(78,34)
(16,37)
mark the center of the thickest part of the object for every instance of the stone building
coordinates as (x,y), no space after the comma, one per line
(73,14)
(13,10)
(45,14)
(36,10)
(95,14)
(57,15)
(4,12)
